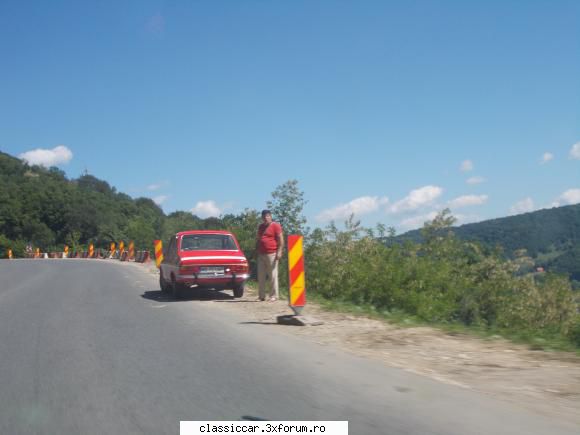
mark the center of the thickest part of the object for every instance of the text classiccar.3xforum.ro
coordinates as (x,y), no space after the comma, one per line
(266,427)
(263,428)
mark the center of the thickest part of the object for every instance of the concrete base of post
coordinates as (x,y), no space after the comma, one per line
(294,320)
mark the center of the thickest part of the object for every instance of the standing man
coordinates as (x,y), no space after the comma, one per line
(269,246)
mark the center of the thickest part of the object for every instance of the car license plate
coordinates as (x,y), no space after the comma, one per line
(212,270)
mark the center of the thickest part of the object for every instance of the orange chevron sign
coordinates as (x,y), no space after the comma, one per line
(296,275)
(158,252)
(131,250)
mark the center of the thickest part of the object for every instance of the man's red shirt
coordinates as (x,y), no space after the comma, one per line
(268,237)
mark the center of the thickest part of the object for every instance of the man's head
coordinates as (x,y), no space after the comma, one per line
(267,216)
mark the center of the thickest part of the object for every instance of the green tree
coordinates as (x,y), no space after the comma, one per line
(244,226)
(141,232)
(287,205)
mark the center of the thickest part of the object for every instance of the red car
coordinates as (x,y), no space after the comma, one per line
(203,259)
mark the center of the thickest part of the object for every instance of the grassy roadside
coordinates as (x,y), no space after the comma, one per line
(547,343)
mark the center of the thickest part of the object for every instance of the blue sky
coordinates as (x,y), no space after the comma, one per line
(392,110)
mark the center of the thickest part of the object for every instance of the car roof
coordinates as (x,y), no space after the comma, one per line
(190,232)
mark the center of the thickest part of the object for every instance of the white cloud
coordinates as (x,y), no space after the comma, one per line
(206,209)
(466,166)
(358,206)
(416,199)
(467,200)
(157,186)
(524,206)
(475,180)
(575,151)
(569,197)
(160,199)
(44,157)
(547,157)
(417,221)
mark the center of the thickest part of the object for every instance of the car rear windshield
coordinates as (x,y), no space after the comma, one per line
(208,242)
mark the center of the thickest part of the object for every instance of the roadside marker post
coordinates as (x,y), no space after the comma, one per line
(297,294)
(91,250)
(297,281)
(131,251)
(158,252)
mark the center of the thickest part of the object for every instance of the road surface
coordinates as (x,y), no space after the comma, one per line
(93,347)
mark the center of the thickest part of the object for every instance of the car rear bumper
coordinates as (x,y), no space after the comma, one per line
(219,281)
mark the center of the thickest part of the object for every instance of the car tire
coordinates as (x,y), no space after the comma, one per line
(239,291)
(175,290)
(162,284)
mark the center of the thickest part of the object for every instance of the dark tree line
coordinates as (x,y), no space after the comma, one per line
(41,207)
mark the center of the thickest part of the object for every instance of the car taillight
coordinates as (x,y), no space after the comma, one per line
(185,270)
(237,268)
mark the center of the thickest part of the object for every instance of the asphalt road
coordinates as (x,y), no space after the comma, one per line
(92,347)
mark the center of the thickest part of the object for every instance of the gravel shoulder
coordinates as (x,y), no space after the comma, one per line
(546,382)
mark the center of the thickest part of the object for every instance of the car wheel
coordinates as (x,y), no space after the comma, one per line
(239,291)
(175,290)
(162,284)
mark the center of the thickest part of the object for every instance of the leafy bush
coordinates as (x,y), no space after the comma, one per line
(574,332)
(441,280)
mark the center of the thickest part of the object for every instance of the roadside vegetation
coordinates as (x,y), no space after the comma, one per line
(436,278)
(443,281)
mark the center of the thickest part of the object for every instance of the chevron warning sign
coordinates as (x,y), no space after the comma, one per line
(131,250)
(158,252)
(296,273)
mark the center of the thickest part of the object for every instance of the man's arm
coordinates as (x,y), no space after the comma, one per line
(280,245)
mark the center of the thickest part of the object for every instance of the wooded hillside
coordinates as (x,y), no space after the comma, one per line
(551,237)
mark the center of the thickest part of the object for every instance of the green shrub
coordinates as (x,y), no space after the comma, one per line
(442,280)
(574,332)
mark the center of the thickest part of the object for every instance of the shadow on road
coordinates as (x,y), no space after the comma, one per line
(189,295)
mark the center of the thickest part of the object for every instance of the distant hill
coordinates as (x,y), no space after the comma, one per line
(550,236)
(42,207)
